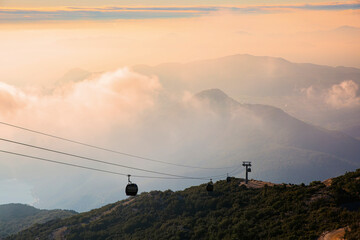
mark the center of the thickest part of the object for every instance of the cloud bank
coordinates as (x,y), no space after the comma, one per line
(119,12)
(118,95)
(10,98)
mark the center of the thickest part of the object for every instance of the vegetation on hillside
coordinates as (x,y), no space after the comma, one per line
(230,212)
(17,217)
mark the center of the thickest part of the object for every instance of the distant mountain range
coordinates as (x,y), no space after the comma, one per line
(17,217)
(247,75)
(299,88)
(232,211)
(353,131)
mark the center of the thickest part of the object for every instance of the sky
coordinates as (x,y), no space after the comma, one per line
(44,3)
(42,42)
(46,41)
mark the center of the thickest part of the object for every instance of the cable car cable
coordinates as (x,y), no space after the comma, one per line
(79,166)
(96,160)
(110,150)
(89,168)
(173,176)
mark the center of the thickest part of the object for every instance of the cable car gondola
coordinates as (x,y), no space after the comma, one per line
(228,179)
(210,186)
(131,188)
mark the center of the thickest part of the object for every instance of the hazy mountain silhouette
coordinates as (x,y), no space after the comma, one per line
(245,74)
(281,146)
(73,75)
(353,131)
(17,217)
(266,80)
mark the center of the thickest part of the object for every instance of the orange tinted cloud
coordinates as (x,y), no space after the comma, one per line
(112,98)
(151,12)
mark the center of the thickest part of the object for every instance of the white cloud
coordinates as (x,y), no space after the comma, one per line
(10,98)
(114,97)
(338,96)
(343,95)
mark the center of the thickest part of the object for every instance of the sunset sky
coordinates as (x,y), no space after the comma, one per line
(40,3)
(45,39)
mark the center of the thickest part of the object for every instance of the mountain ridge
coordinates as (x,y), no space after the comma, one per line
(276,115)
(15,217)
(233,210)
(278,70)
(280,59)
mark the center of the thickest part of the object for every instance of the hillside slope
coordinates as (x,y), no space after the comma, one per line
(230,212)
(352,131)
(17,217)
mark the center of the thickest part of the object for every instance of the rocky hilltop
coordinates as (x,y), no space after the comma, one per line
(233,210)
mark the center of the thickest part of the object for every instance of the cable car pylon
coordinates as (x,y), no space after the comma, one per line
(228,179)
(248,169)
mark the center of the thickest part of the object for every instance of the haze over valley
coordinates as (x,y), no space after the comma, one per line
(159,112)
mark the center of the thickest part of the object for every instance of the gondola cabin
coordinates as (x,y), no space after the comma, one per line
(131,188)
(210,187)
(228,179)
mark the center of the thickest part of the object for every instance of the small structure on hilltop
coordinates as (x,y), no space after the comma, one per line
(248,169)
(210,186)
